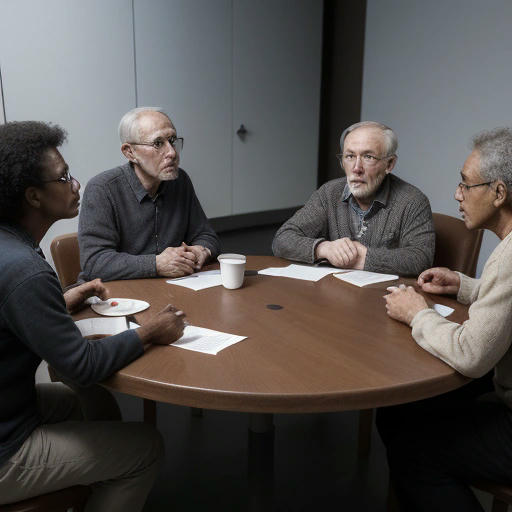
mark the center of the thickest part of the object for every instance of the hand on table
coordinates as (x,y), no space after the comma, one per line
(76,296)
(439,280)
(343,253)
(201,253)
(176,262)
(403,303)
(164,328)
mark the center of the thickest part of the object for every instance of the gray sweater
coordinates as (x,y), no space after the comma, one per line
(121,228)
(35,325)
(399,235)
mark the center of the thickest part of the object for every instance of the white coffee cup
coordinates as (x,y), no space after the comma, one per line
(232,268)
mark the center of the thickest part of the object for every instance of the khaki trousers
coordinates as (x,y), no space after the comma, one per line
(118,460)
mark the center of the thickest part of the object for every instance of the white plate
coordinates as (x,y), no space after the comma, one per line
(124,307)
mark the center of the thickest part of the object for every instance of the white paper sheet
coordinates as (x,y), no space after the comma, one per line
(198,280)
(443,310)
(205,340)
(113,325)
(305,272)
(363,278)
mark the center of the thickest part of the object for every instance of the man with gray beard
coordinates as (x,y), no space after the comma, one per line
(368,220)
(143,219)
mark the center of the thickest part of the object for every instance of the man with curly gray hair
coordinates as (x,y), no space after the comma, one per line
(438,447)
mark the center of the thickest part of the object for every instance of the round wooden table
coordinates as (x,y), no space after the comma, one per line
(331,347)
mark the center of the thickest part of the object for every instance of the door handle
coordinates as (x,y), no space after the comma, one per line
(242,131)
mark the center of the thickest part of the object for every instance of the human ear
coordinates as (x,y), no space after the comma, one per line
(33,196)
(127,151)
(501,194)
(391,163)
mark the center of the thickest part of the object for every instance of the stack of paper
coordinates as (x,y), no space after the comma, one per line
(306,272)
(205,340)
(114,325)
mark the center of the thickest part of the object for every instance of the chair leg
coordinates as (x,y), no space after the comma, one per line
(498,505)
(150,412)
(364,441)
(392,502)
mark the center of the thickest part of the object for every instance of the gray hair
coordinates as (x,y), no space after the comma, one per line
(495,148)
(128,128)
(389,134)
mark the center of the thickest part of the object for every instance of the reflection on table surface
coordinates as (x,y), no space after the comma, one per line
(329,347)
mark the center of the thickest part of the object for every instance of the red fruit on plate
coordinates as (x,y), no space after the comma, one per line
(114,303)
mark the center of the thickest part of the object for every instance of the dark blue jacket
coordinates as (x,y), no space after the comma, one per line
(35,325)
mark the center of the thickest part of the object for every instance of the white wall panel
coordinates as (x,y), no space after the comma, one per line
(276,95)
(438,72)
(71,63)
(183,59)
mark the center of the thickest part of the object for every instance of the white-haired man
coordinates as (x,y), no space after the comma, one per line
(370,219)
(438,447)
(143,218)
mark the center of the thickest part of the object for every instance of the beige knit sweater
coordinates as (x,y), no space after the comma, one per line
(483,341)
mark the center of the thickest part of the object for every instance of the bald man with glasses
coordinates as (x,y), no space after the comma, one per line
(369,219)
(143,218)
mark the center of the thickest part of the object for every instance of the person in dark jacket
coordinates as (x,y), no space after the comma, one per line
(45,442)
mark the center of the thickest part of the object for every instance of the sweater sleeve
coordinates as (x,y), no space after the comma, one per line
(35,312)
(416,246)
(474,347)
(98,236)
(298,237)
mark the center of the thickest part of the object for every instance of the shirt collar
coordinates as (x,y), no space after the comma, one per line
(16,230)
(381,197)
(135,184)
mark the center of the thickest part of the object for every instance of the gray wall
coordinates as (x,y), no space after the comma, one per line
(438,72)
(211,65)
(70,63)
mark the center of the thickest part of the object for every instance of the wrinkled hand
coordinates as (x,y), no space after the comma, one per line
(201,253)
(164,328)
(343,253)
(175,262)
(76,296)
(439,280)
(403,303)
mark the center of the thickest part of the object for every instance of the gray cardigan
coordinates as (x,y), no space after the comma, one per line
(400,235)
(121,228)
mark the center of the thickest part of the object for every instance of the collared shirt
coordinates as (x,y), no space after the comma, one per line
(359,218)
(399,230)
(122,228)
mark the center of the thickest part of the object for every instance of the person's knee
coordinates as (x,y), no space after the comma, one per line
(149,443)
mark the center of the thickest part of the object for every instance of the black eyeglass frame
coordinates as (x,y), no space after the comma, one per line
(172,140)
(465,187)
(373,158)
(67,178)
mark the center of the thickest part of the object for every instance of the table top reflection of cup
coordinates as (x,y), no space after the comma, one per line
(232,268)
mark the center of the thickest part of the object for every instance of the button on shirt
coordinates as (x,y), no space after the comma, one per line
(359,218)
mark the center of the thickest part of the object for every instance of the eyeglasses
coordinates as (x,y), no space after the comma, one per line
(159,144)
(463,187)
(367,159)
(65,178)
